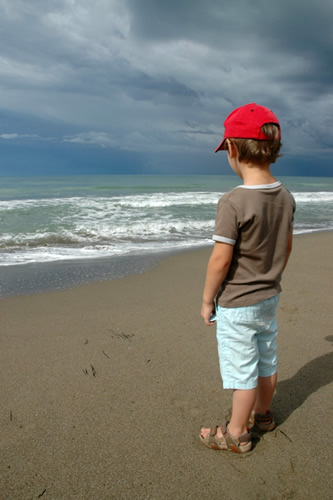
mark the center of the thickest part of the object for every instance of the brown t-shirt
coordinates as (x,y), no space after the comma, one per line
(257,221)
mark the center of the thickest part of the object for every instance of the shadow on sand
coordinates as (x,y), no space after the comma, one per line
(291,393)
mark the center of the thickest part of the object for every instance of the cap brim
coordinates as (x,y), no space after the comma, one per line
(220,147)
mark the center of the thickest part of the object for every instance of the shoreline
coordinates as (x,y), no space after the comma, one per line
(105,387)
(35,278)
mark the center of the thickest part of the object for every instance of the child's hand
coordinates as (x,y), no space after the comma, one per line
(207,310)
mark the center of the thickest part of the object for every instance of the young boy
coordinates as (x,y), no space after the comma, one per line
(253,240)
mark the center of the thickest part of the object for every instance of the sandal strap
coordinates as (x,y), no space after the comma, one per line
(213,438)
(226,441)
(265,418)
(244,438)
(229,441)
(263,421)
(213,431)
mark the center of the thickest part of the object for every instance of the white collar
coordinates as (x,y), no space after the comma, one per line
(262,186)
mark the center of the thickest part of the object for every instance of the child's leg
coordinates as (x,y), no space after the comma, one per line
(265,392)
(267,367)
(243,401)
(247,348)
(239,357)
(242,405)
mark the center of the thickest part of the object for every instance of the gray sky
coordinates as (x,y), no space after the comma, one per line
(145,85)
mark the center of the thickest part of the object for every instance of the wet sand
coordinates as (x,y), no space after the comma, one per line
(104,388)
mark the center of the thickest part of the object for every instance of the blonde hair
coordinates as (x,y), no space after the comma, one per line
(260,152)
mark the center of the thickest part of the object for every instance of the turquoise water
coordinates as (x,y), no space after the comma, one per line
(52,219)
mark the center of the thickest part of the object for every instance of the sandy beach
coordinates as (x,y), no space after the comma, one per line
(104,388)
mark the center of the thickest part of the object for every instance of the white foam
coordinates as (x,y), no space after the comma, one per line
(309,197)
(50,229)
(57,254)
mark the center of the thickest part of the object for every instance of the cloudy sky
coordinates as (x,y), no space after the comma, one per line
(143,86)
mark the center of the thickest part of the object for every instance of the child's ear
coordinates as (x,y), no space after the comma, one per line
(232,150)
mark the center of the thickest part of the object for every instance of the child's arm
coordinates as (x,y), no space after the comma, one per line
(289,247)
(218,267)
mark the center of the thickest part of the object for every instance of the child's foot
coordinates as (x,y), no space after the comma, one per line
(219,438)
(263,421)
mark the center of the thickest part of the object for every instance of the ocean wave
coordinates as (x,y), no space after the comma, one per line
(317,197)
(132,201)
(84,234)
(76,227)
(38,254)
(101,205)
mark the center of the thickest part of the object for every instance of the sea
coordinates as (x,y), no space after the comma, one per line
(59,232)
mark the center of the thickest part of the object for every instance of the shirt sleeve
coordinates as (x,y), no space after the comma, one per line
(226,225)
(294,208)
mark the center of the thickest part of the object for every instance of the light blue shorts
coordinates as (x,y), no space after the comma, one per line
(246,341)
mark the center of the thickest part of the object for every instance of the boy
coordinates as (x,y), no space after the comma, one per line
(253,240)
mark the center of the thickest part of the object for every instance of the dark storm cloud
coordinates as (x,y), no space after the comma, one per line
(160,76)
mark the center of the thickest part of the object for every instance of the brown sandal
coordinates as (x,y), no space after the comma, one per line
(264,422)
(227,442)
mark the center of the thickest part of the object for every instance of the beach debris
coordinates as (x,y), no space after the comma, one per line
(120,335)
(86,341)
(105,354)
(93,371)
(11,415)
(286,435)
(42,493)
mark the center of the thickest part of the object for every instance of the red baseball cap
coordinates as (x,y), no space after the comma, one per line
(245,123)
